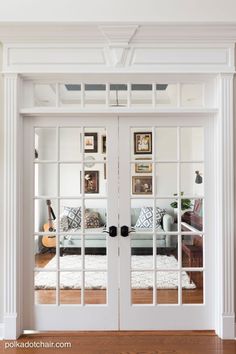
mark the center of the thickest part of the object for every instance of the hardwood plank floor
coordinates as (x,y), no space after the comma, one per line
(127,342)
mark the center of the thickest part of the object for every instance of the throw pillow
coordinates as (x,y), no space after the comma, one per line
(145,219)
(91,220)
(64,225)
(74,217)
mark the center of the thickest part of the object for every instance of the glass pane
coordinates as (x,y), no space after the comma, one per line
(141,251)
(142,214)
(44,95)
(166,257)
(118,95)
(70,246)
(193,218)
(166,179)
(167,284)
(94,145)
(192,179)
(95,217)
(192,287)
(95,94)
(166,215)
(44,213)
(95,252)
(192,94)
(45,287)
(192,251)
(70,94)
(141,143)
(166,144)
(44,256)
(95,287)
(45,179)
(70,218)
(166,94)
(70,179)
(70,252)
(142,287)
(70,144)
(141,95)
(70,287)
(192,144)
(95,180)
(45,144)
(142,180)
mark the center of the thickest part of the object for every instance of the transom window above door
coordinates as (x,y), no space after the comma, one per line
(162,93)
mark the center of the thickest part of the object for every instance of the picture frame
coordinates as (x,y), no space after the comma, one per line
(142,185)
(91,142)
(104,144)
(143,167)
(91,182)
(142,143)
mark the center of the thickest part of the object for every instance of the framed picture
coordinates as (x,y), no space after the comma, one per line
(142,185)
(90,142)
(104,144)
(143,167)
(143,143)
(91,182)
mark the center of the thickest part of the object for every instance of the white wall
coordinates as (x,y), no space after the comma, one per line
(122,10)
(1,193)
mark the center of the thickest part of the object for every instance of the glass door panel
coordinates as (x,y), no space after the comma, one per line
(75,178)
(163,208)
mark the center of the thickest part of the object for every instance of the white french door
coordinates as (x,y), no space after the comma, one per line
(167,283)
(147,177)
(59,280)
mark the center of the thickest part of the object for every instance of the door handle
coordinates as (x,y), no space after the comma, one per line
(124,231)
(112,231)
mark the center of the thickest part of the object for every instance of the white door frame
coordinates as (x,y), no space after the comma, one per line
(224,323)
(195,49)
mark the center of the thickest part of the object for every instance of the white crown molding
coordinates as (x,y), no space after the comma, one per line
(116,33)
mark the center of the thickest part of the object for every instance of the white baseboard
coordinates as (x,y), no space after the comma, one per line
(1,331)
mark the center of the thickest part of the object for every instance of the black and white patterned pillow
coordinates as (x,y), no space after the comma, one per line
(145,219)
(74,216)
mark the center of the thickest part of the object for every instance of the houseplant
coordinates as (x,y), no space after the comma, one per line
(186,204)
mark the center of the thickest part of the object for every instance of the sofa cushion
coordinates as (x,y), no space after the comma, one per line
(74,216)
(145,219)
(91,220)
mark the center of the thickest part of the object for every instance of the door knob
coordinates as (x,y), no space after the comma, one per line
(124,231)
(112,231)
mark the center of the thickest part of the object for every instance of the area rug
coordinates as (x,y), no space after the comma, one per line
(98,280)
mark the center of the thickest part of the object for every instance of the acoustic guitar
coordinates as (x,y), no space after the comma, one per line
(49,240)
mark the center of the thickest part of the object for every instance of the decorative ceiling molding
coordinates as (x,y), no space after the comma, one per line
(120,34)
(118,56)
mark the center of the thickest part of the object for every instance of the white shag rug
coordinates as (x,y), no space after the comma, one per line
(97,280)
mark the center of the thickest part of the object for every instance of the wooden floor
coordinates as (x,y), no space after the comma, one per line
(160,342)
(139,296)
